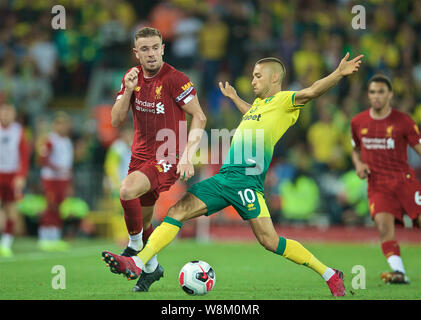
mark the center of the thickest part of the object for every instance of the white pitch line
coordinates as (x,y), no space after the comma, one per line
(76,252)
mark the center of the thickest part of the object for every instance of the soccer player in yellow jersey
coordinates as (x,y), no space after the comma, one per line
(240,180)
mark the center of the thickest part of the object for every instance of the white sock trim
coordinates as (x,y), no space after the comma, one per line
(136,236)
(328,274)
(151,264)
(6,240)
(396,264)
(135,241)
(138,262)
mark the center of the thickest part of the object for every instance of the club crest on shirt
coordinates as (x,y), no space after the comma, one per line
(364,130)
(158,91)
(389,130)
(137,89)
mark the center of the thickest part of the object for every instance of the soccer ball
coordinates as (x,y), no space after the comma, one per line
(197,278)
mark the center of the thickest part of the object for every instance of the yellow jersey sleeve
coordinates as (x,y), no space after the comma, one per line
(290,110)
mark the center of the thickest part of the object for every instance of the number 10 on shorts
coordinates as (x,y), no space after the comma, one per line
(247,196)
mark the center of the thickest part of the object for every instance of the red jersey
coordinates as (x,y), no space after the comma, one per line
(56,156)
(156,104)
(384,145)
(14,150)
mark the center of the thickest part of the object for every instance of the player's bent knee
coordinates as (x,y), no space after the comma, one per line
(385,230)
(267,243)
(269,247)
(385,226)
(126,194)
(386,233)
(177,214)
(188,207)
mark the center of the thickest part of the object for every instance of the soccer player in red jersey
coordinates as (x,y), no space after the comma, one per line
(159,96)
(380,137)
(14,166)
(56,156)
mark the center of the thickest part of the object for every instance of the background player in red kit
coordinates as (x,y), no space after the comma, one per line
(380,137)
(159,96)
(14,166)
(56,155)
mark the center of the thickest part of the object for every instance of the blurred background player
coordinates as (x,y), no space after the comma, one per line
(117,160)
(14,166)
(56,155)
(159,96)
(380,137)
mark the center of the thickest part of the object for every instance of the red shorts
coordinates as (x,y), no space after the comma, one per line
(7,192)
(396,198)
(55,190)
(161,175)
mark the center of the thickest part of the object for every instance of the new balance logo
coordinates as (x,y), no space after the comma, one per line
(160,108)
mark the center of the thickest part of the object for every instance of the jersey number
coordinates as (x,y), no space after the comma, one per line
(247,195)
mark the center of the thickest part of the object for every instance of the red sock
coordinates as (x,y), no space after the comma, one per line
(51,218)
(391,248)
(132,215)
(146,234)
(8,228)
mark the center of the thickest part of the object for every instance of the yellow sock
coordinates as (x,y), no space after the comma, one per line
(294,251)
(163,235)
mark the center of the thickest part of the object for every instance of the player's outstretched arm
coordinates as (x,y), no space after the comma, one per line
(345,68)
(230,92)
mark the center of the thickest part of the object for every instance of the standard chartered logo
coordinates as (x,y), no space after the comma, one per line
(151,107)
(160,108)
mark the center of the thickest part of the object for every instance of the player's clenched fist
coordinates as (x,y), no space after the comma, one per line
(130,80)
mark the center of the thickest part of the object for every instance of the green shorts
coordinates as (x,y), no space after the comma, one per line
(232,188)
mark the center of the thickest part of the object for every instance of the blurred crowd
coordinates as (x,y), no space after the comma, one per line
(79,70)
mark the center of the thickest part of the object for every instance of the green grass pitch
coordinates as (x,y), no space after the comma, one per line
(244,271)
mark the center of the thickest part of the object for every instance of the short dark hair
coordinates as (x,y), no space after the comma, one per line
(381,78)
(147,32)
(273,59)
